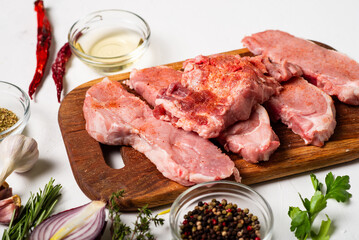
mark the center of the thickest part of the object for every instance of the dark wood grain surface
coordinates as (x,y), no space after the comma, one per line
(144,184)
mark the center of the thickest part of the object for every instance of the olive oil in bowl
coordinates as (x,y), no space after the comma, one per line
(115,44)
(109,40)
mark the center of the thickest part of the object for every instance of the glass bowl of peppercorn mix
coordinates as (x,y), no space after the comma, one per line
(221,210)
(14,109)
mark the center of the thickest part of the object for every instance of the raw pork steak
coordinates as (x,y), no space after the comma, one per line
(149,81)
(306,109)
(254,138)
(116,117)
(333,72)
(215,92)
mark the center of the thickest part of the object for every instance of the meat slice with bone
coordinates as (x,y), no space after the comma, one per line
(253,138)
(306,109)
(333,72)
(116,117)
(215,92)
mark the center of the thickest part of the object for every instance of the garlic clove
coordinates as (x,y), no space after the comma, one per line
(5,191)
(7,208)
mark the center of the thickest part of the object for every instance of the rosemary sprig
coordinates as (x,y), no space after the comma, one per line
(141,231)
(37,209)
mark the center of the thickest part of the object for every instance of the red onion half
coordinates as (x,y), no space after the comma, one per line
(82,223)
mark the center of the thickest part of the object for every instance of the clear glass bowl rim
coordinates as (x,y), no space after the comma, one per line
(178,200)
(127,56)
(26,112)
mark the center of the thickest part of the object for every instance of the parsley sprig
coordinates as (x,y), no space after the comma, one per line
(141,230)
(301,225)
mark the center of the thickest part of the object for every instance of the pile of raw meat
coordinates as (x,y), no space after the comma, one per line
(224,98)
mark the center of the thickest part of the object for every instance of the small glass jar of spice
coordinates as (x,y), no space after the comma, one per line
(7,119)
(14,109)
(220,220)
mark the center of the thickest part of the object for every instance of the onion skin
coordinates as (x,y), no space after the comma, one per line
(91,229)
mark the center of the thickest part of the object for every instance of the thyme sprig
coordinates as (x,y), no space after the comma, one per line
(141,230)
(118,228)
(37,209)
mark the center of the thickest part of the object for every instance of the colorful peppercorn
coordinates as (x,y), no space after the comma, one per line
(220,220)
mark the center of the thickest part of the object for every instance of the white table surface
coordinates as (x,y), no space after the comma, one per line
(180,30)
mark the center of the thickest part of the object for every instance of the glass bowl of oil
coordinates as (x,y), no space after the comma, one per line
(109,40)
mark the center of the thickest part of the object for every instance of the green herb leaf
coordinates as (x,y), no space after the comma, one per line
(323,231)
(317,204)
(141,229)
(300,222)
(118,228)
(142,224)
(318,186)
(337,188)
(305,202)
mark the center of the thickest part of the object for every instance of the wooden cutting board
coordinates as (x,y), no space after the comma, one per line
(144,184)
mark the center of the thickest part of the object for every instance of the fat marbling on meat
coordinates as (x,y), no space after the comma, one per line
(215,92)
(253,138)
(116,117)
(333,72)
(306,109)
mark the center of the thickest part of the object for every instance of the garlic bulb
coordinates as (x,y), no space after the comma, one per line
(18,153)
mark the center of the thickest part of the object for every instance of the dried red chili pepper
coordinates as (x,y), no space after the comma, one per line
(43,45)
(59,68)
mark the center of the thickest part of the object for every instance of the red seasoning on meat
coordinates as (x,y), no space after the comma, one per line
(59,68)
(306,109)
(116,117)
(215,92)
(149,81)
(43,45)
(333,72)
(253,138)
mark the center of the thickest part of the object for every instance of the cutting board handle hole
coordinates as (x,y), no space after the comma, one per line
(112,156)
